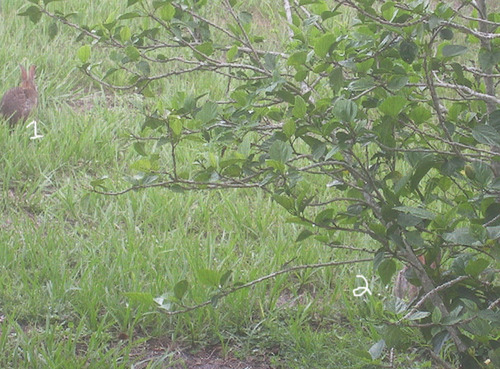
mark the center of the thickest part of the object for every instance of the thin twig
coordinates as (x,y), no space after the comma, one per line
(433,291)
(288,13)
(266,277)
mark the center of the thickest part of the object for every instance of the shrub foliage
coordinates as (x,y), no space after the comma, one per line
(377,118)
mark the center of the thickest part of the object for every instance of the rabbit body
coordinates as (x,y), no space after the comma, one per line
(18,102)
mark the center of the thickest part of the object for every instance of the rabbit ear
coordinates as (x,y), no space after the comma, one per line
(24,75)
(32,72)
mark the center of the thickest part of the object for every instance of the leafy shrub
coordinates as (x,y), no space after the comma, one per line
(378,118)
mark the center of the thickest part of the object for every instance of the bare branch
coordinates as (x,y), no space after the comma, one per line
(383,21)
(433,291)
(264,278)
(288,13)
(478,34)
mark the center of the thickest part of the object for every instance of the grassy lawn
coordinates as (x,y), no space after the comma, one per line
(75,265)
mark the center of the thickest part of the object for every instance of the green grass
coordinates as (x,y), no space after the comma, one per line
(68,257)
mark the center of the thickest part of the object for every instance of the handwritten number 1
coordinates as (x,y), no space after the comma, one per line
(36,135)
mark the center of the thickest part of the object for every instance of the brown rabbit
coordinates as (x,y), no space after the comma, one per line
(18,102)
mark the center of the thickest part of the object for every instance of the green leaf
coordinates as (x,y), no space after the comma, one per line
(299,108)
(393,105)
(490,315)
(325,217)
(479,327)
(303,235)
(225,278)
(394,335)
(493,232)
(285,201)
(53,29)
(245,146)
(99,183)
(280,151)
(408,220)
(345,110)
(408,51)
(364,66)
(494,356)
(146,91)
(436,315)
(301,75)
(494,119)
(328,14)
(297,220)
(376,350)
(446,34)
(420,114)
(386,270)
(417,315)
(33,12)
(462,236)
(318,151)
(332,152)
(129,15)
(167,12)
(297,59)
(323,44)
(139,148)
(387,10)
(476,266)
(245,17)
(208,277)
(315,144)
(396,83)
(482,172)
(270,61)
(175,125)
(289,128)
(416,212)
(439,339)
(144,68)
(140,297)
(206,49)
(132,2)
(378,259)
(241,97)
(208,112)
(453,50)
(486,134)
(231,53)
(142,165)
(361,84)
(422,167)
(132,53)
(180,289)
(488,59)
(125,33)
(336,79)
(414,238)
(110,21)
(83,53)
(276,165)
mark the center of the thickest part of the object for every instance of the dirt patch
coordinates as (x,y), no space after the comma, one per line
(172,356)
(84,100)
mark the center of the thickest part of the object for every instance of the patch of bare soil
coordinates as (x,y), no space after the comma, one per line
(156,350)
(84,100)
